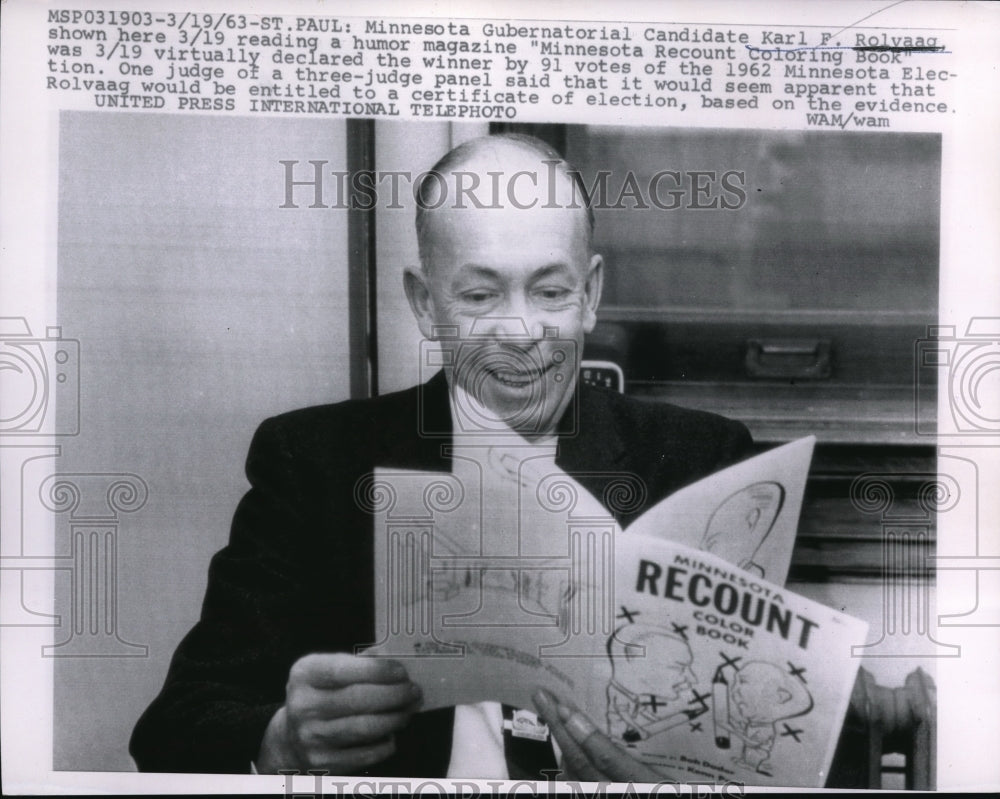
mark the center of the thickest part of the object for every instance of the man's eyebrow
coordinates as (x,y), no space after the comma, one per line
(466,271)
(549,270)
(476,270)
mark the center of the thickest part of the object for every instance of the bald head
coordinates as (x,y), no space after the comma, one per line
(504,172)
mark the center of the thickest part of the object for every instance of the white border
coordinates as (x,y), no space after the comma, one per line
(968,687)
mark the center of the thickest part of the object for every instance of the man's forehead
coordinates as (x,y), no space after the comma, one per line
(502,177)
(495,154)
(508,227)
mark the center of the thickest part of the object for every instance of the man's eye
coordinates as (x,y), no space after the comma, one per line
(478,296)
(553,293)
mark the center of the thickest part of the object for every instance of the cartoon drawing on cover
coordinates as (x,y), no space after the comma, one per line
(652,682)
(740,524)
(748,701)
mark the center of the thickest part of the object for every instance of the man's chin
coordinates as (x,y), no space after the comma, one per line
(522,401)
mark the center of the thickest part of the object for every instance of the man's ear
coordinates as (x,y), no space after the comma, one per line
(592,289)
(418,293)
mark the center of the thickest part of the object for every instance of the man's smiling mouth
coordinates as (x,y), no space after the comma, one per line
(518,378)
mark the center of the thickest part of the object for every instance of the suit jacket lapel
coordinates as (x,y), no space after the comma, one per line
(589,439)
(416,434)
(592,447)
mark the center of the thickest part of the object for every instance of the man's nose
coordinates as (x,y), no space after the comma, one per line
(514,322)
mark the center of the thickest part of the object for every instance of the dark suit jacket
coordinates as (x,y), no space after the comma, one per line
(297,574)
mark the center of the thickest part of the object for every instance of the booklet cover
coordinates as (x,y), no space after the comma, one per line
(704,670)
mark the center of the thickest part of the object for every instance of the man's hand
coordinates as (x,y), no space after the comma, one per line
(587,753)
(340,714)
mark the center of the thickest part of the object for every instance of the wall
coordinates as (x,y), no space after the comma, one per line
(201,308)
(413,148)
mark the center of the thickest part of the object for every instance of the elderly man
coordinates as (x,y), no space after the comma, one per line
(267,679)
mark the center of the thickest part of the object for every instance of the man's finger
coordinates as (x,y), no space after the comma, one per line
(354,731)
(350,760)
(337,670)
(604,754)
(590,752)
(575,761)
(353,700)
